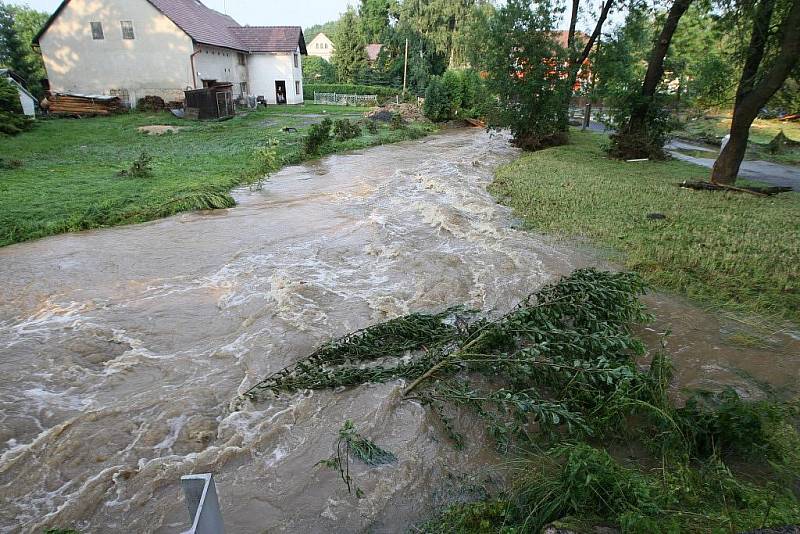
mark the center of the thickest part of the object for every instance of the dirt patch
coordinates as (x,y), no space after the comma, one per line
(159,129)
(409,112)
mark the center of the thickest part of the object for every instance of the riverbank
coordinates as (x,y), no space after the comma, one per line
(64,175)
(731,251)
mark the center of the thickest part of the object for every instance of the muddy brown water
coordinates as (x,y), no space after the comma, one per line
(121,349)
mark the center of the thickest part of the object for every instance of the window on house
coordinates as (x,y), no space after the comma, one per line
(127,29)
(297,88)
(243,88)
(97,31)
(241,59)
(296,60)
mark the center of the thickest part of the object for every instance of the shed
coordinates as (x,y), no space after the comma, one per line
(215,102)
(26,99)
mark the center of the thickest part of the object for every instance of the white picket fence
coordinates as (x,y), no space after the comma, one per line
(345,100)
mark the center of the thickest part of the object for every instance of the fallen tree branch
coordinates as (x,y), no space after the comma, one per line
(757,191)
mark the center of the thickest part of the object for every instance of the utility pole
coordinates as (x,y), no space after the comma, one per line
(405,70)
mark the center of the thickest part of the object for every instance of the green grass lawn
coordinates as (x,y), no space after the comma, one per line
(730,250)
(65,176)
(713,129)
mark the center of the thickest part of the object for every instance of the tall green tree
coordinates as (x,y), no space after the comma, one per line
(643,133)
(12,119)
(621,60)
(317,70)
(445,24)
(27,23)
(375,19)
(350,56)
(770,56)
(527,70)
(12,52)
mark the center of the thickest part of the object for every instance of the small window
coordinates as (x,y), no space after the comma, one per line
(97,31)
(297,88)
(127,29)
(241,59)
(296,60)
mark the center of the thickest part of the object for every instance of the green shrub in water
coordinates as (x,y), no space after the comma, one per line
(318,135)
(343,130)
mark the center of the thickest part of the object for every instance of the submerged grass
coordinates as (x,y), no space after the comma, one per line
(65,175)
(729,250)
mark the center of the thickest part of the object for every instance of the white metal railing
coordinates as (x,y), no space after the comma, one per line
(345,100)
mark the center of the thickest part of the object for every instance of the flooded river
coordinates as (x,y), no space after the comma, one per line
(121,349)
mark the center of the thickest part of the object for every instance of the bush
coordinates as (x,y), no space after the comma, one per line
(531,89)
(397,122)
(629,143)
(343,130)
(383,92)
(438,101)
(316,70)
(318,135)
(140,168)
(12,119)
(458,94)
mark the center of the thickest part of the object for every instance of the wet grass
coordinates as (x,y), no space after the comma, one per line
(65,175)
(731,251)
(713,129)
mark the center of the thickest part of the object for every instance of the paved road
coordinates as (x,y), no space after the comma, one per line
(763,171)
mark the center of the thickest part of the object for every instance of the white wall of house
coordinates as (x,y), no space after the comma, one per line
(267,68)
(155,62)
(220,64)
(321,46)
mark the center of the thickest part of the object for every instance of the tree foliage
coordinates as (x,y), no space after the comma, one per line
(458,94)
(525,68)
(12,119)
(27,23)
(374,16)
(318,70)
(771,55)
(12,51)
(350,57)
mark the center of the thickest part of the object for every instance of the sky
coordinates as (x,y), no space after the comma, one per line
(303,13)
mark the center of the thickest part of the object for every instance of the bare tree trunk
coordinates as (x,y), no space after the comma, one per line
(751,94)
(655,67)
(573,21)
(576,58)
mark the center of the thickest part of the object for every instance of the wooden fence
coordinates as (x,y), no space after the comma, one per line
(345,100)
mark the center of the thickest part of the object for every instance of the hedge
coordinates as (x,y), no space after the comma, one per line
(348,89)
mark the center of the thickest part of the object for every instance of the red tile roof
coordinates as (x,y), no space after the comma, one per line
(270,38)
(373,51)
(201,23)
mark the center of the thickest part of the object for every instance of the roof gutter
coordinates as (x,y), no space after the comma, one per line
(194,72)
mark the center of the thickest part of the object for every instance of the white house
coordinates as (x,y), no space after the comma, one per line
(321,46)
(27,100)
(135,48)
